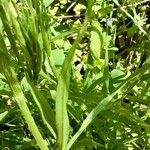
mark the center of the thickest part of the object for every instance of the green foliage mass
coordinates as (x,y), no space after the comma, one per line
(74,75)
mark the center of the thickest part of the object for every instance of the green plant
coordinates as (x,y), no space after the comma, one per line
(80,79)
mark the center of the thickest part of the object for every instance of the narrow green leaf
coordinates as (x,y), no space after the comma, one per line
(106,71)
(3,115)
(7,29)
(104,104)
(63,34)
(62,121)
(45,109)
(47,45)
(10,75)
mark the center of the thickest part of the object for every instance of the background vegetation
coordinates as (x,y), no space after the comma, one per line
(74,75)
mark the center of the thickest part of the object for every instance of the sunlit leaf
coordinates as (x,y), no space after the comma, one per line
(3,115)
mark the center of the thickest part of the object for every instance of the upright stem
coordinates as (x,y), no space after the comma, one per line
(9,73)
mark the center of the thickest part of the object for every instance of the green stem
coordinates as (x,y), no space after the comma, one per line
(47,47)
(9,73)
(62,119)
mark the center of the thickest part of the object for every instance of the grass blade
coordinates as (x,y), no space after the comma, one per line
(103,105)
(20,99)
(44,108)
(11,77)
(62,121)
(3,115)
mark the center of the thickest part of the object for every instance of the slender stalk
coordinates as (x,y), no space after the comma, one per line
(62,120)
(43,106)
(9,73)
(47,47)
(106,71)
(11,77)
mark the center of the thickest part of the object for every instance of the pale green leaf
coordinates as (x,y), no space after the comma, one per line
(47,2)
(58,56)
(3,115)
(96,40)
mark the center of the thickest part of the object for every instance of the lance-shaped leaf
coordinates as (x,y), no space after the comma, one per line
(62,121)
(7,69)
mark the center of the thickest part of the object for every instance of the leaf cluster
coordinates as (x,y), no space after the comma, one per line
(74,74)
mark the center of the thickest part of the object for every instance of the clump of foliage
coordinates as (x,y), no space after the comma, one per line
(74,74)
